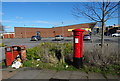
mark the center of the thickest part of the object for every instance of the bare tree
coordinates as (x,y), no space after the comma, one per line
(97,11)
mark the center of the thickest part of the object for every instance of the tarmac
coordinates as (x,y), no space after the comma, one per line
(29,73)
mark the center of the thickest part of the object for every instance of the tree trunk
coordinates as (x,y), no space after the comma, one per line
(103,16)
(102,36)
(102,39)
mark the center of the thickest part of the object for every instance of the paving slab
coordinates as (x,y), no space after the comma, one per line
(0,75)
(62,75)
(8,72)
(53,75)
(95,76)
(78,75)
(28,74)
(46,74)
(0,71)
(113,77)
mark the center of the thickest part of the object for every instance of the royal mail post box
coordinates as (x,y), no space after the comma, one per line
(78,47)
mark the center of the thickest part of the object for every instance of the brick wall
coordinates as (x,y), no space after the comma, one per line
(8,35)
(27,32)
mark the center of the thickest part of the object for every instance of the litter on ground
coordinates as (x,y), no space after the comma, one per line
(17,63)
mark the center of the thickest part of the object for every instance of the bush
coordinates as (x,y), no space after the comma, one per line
(2,45)
(106,60)
(50,52)
(101,58)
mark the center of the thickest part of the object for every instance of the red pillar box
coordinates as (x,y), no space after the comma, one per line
(78,48)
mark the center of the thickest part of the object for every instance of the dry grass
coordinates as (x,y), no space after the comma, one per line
(95,56)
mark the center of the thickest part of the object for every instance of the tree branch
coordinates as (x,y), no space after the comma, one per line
(109,15)
(96,13)
(92,18)
(111,9)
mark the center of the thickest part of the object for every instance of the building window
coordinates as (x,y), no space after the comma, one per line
(38,32)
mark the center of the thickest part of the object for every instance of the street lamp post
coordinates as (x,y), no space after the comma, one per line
(62,30)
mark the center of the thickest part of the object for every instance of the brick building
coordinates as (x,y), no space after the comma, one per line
(8,35)
(27,32)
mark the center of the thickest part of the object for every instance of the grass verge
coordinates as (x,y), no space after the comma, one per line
(41,65)
(113,69)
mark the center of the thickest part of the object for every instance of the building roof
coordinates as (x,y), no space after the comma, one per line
(83,26)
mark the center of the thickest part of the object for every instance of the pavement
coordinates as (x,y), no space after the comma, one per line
(2,54)
(30,73)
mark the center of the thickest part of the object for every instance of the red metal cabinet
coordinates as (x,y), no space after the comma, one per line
(12,52)
(16,50)
(9,56)
(23,53)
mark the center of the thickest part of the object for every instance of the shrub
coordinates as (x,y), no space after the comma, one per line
(50,52)
(97,58)
(2,45)
(107,60)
